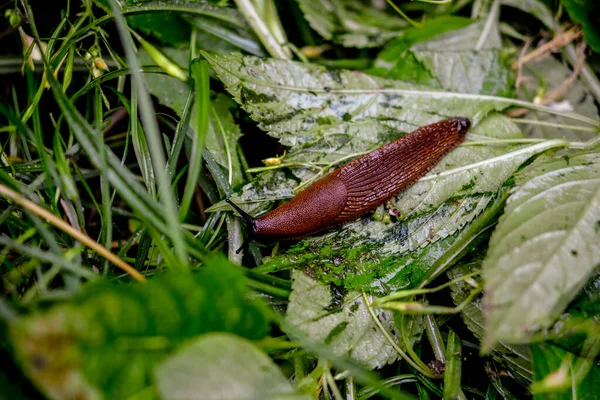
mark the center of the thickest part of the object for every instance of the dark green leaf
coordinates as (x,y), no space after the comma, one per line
(586,13)
(351,23)
(545,246)
(559,374)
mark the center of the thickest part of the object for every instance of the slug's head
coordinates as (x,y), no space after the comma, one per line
(248,221)
(463,124)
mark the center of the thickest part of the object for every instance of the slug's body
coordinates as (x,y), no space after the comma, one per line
(361,185)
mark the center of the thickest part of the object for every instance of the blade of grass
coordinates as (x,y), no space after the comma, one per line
(199,71)
(453,372)
(106,228)
(174,230)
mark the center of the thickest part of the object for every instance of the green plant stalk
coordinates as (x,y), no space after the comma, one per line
(199,71)
(453,371)
(425,371)
(414,292)
(408,346)
(226,143)
(435,338)
(180,134)
(140,144)
(107,219)
(415,307)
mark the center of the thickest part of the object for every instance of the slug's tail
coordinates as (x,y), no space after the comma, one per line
(248,222)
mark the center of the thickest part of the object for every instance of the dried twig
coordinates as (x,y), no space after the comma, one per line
(559,41)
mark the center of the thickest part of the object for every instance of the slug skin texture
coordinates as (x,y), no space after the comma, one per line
(361,185)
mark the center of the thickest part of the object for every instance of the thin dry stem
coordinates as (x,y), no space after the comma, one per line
(559,41)
(68,229)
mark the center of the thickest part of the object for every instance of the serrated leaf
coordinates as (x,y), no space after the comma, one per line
(326,116)
(105,342)
(396,61)
(221,366)
(516,358)
(351,23)
(341,320)
(302,104)
(482,72)
(438,212)
(545,246)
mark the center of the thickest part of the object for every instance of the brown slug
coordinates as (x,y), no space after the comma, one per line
(361,185)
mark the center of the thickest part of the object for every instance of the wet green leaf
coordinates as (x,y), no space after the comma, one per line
(304,104)
(545,246)
(327,116)
(340,319)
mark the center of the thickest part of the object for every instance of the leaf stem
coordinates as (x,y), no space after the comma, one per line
(554,125)
(414,292)
(427,372)
(406,17)
(538,148)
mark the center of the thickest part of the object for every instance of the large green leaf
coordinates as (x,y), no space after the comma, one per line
(351,23)
(304,104)
(222,366)
(326,116)
(545,246)
(105,342)
(329,314)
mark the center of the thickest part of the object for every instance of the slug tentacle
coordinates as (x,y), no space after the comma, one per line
(362,184)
